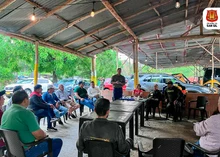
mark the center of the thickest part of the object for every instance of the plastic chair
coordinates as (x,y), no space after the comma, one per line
(201,103)
(202,150)
(15,148)
(98,147)
(163,147)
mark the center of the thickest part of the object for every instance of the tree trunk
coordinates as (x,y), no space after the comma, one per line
(54,77)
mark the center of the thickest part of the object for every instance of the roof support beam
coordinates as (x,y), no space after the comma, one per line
(114,23)
(60,7)
(161,20)
(186,13)
(81,19)
(118,18)
(5,4)
(184,34)
(180,38)
(41,42)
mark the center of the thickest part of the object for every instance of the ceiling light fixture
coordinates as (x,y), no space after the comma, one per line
(92,14)
(33,17)
(177,4)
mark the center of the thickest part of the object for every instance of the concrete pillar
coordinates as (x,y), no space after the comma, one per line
(135,63)
(36,64)
(93,70)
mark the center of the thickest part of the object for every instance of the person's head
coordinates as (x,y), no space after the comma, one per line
(38,88)
(21,98)
(17,88)
(50,88)
(102,106)
(92,84)
(119,71)
(170,84)
(2,99)
(81,84)
(61,87)
(156,87)
(138,86)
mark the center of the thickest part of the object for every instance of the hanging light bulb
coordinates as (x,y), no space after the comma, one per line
(176,59)
(145,60)
(33,17)
(92,14)
(177,4)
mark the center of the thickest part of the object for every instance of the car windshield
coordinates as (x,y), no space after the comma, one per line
(26,81)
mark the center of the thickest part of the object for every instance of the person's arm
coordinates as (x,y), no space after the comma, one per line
(37,101)
(203,127)
(113,81)
(80,142)
(180,94)
(57,93)
(123,145)
(90,93)
(33,126)
(44,97)
(123,81)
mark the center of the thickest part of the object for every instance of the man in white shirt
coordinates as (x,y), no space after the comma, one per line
(67,100)
(93,91)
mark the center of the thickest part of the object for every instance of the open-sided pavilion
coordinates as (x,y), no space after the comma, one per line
(152,30)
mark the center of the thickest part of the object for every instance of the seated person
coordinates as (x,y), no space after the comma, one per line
(66,100)
(2,100)
(19,119)
(51,98)
(93,91)
(16,88)
(82,96)
(138,91)
(209,133)
(102,128)
(153,100)
(40,108)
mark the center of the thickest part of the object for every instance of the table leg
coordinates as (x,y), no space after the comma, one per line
(142,114)
(131,129)
(136,122)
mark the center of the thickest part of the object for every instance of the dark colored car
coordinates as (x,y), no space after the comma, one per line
(147,82)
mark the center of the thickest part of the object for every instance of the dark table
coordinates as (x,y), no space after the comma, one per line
(130,106)
(122,118)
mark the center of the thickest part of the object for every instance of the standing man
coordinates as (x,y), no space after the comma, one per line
(19,119)
(172,96)
(118,81)
(94,92)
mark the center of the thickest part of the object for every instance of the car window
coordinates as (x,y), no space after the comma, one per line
(155,79)
(167,79)
(26,81)
(42,81)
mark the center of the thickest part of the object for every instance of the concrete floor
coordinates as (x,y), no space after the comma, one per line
(153,128)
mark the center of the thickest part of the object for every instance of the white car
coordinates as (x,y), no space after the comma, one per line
(27,85)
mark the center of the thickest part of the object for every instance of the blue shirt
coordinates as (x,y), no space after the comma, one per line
(50,98)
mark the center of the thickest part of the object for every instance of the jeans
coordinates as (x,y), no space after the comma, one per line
(59,112)
(43,147)
(117,93)
(87,102)
(44,113)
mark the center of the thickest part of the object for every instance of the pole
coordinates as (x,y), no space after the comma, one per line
(117,59)
(212,85)
(93,70)
(156,60)
(36,63)
(135,61)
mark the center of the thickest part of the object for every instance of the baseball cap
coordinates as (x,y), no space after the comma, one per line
(2,92)
(50,86)
(169,82)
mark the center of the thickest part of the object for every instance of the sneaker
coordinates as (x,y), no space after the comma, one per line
(73,116)
(60,122)
(54,120)
(52,129)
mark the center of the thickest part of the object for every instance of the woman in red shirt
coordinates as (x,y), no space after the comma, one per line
(138,91)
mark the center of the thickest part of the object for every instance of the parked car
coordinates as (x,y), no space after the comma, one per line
(27,85)
(147,82)
(109,86)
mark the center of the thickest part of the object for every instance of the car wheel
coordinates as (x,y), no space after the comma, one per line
(215,88)
(106,89)
(28,91)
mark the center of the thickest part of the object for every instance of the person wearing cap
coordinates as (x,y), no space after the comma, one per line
(67,100)
(19,119)
(172,96)
(42,109)
(101,128)
(51,98)
(118,81)
(2,100)
(16,88)
(82,95)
